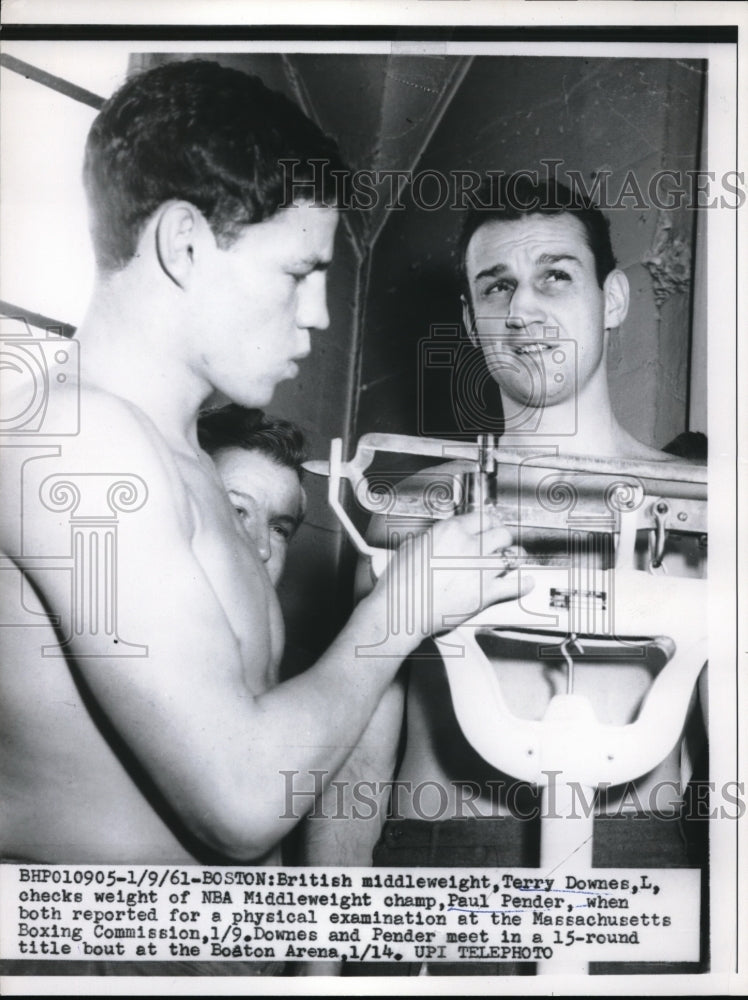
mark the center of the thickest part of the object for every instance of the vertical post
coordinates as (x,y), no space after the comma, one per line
(565,843)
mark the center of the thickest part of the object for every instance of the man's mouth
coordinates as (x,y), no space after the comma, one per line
(532,347)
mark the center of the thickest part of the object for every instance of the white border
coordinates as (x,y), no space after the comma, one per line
(523,13)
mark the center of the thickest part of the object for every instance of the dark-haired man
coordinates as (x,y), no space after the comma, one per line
(143,720)
(537,281)
(541,293)
(260,462)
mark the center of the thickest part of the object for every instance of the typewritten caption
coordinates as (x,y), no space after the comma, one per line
(352,914)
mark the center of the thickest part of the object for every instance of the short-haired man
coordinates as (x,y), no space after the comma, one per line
(260,462)
(142,715)
(538,272)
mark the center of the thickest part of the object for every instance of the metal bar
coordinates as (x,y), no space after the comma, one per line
(50,80)
(36,319)
(666,471)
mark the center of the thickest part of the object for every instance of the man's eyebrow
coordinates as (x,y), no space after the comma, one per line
(545,258)
(491,272)
(555,258)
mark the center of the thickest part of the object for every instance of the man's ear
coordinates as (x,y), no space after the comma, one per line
(468,318)
(616,291)
(177,231)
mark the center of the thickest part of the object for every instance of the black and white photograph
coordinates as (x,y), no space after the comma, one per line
(369,393)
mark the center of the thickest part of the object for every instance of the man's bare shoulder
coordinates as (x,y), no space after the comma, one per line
(688,448)
(124,427)
(105,441)
(83,415)
(634,450)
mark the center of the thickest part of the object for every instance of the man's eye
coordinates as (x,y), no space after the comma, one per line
(498,288)
(240,511)
(281,529)
(556,277)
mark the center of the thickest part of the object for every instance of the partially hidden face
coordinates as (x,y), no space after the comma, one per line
(269,500)
(539,313)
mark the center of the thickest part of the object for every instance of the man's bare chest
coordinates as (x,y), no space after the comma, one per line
(236,574)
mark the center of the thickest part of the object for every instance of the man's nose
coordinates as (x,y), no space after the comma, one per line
(311,313)
(257,528)
(525,308)
(261,538)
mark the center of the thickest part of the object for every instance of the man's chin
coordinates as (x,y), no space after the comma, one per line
(517,403)
(260,394)
(521,408)
(256,397)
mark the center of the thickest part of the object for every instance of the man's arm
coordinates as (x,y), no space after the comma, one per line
(346,822)
(347,819)
(370,767)
(213,746)
(342,830)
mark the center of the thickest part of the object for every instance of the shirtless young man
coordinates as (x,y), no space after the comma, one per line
(142,718)
(534,278)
